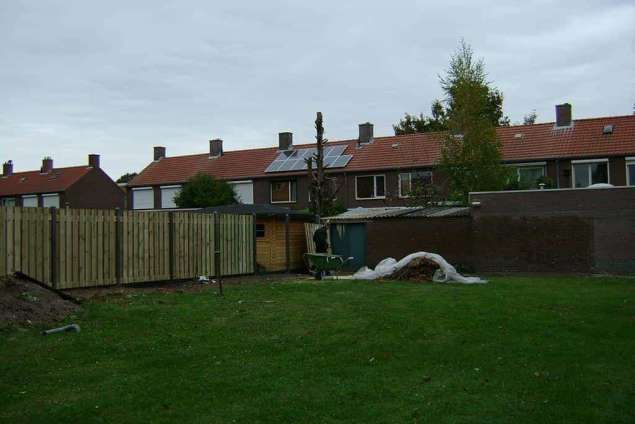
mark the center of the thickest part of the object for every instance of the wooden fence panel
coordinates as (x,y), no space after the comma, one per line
(85,248)
(87,243)
(236,244)
(26,242)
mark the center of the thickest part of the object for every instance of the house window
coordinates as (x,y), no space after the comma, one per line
(51,200)
(588,172)
(529,174)
(283,191)
(167,196)
(244,191)
(260,230)
(412,180)
(29,201)
(630,171)
(370,187)
(8,201)
(143,198)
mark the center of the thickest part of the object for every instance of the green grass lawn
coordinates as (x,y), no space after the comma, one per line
(521,350)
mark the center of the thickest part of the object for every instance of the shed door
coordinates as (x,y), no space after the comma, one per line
(350,240)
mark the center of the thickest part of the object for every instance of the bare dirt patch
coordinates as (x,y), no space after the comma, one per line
(23,303)
(182,286)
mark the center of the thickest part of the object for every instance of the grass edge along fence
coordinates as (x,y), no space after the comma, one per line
(69,248)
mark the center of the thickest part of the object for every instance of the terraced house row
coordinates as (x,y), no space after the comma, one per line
(378,171)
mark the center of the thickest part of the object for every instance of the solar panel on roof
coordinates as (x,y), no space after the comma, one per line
(335,151)
(274,166)
(295,160)
(286,166)
(342,161)
(299,165)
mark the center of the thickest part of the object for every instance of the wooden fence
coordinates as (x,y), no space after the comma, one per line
(69,248)
(309,230)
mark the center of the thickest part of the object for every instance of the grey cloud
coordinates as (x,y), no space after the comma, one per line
(119,77)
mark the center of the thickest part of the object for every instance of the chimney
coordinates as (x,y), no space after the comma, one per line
(7,168)
(93,160)
(215,148)
(159,152)
(563,115)
(285,141)
(365,133)
(47,165)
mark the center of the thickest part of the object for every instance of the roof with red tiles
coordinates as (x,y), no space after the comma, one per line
(30,182)
(584,138)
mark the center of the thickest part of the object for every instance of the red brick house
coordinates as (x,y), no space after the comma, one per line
(84,186)
(378,171)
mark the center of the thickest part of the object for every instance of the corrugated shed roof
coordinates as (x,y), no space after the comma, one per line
(519,143)
(371,213)
(364,214)
(440,212)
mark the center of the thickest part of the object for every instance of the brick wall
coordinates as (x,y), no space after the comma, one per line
(598,224)
(555,231)
(450,237)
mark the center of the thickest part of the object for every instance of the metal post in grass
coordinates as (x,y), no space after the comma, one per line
(217,267)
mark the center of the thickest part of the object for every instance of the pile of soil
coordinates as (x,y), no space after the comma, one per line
(24,303)
(420,269)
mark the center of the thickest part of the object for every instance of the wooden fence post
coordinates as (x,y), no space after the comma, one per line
(118,245)
(287,252)
(255,240)
(171,243)
(217,253)
(53,256)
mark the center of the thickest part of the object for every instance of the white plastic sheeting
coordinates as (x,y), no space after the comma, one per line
(444,274)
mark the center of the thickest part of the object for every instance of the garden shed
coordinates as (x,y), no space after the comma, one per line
(279,233)
(372,234)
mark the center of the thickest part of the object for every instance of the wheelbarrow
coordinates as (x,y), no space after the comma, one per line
(321,263)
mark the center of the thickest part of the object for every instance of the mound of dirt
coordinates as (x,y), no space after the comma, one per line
(419,269)
(24,303)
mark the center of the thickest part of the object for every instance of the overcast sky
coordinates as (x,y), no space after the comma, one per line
(118,77)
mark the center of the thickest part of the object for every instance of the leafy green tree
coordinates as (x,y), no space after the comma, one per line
(438,121)
(411,124)
(530,119)
(202,191)
(126,178)
(470,151)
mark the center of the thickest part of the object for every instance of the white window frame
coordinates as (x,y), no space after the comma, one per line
(630,160)
(172,204)
(30,196)
(374,187)
(137,189)
(406,196)
(50,195)
(291,184)
(590,161)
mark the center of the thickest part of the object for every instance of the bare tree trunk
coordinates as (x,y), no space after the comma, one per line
(316,175)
